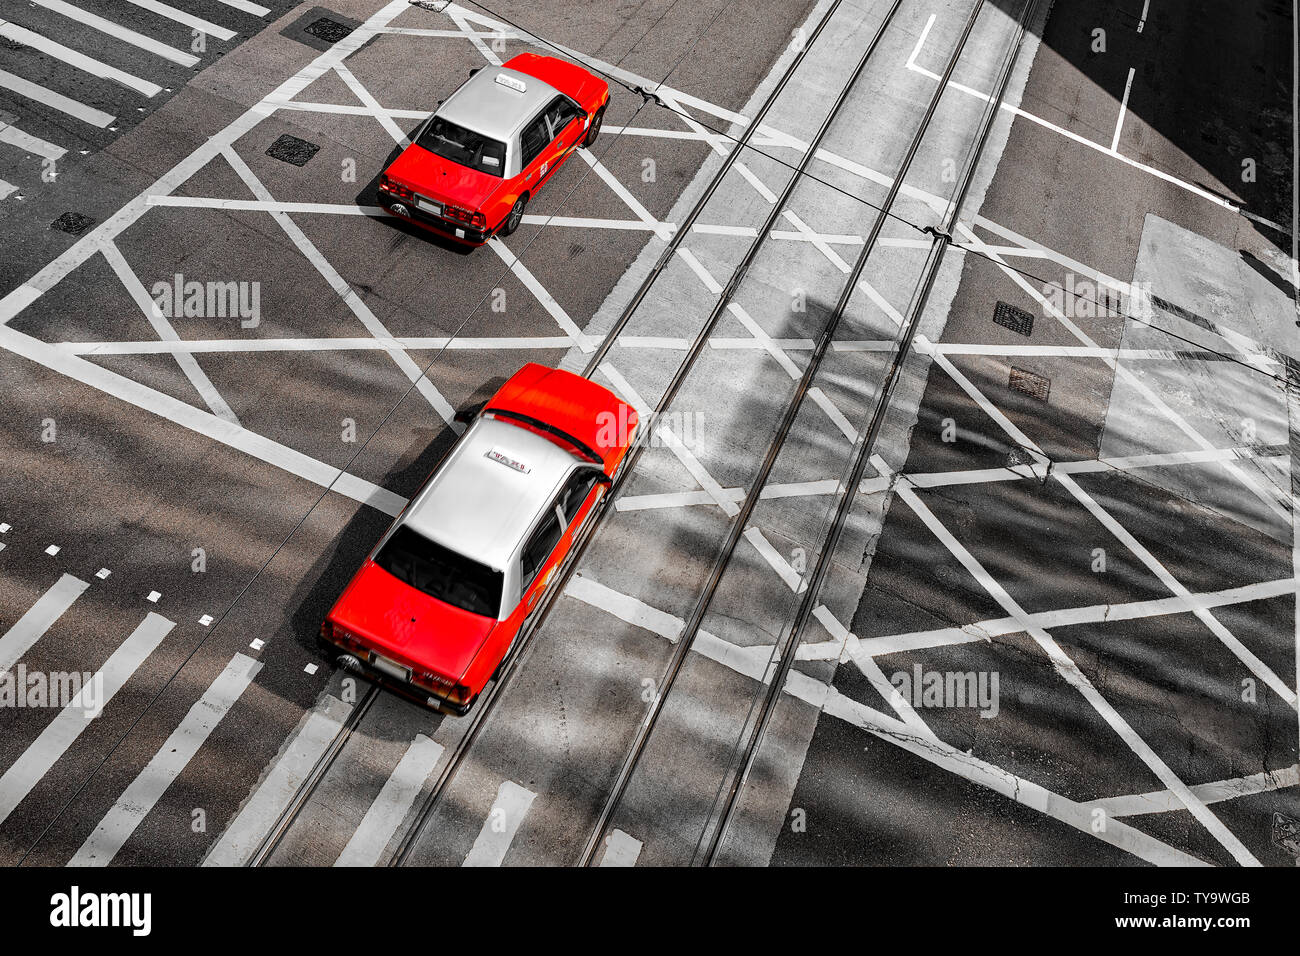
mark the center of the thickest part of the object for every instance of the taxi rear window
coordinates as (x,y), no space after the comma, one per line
(441,573)
(463,146)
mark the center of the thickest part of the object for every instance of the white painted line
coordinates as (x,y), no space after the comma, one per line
(7,189)
(180,16)
(257,643)
(256,9)
(1066,667)
(349,296)
(620,850)
(1142,21)
(174,756)
(1123,108)
(103,573)
(539,292)
(311,669)
(79,60)
(502,823)
(60,734)
(119,32)
(1162,801)
(197,420)
(64,104)
(206,620)
(377,111)
(1068,617)
(154,347)
(393,803)
(29,143)
(31,627)
(189,365)
(153,597)
(259,813)
(52,550)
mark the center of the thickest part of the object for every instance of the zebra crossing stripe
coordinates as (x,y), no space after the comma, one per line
(392,804)
(147,789)
(26,772)
(31,627)
(499,828)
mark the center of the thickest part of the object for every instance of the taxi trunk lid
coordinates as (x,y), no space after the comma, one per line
(442,180)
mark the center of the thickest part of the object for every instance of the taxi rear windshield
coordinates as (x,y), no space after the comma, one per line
(441,573)
(463,146)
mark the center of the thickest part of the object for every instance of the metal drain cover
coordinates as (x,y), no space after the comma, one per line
(291,149)
(331,31)
(73,223)
(1011,317)
(1035,386)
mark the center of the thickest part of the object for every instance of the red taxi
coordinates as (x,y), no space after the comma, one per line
(438,602)
(474,164)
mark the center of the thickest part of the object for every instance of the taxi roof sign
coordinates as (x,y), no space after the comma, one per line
(508,460)
(512,82)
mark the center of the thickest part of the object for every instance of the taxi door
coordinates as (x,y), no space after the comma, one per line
(564,120)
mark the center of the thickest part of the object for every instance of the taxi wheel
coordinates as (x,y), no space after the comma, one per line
(594,130)
(515,216)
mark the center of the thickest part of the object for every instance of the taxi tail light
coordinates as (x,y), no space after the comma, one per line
(394,187)
(479,220)
(327,630)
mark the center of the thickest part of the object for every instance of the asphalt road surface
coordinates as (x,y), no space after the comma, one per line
(1058,625)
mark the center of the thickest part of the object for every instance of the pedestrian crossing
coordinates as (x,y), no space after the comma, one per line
(101,64)
(381,824)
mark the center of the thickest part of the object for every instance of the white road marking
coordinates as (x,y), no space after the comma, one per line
(152,347)
(1067,617)
(60,734)
(74,59)
(29,143)
(1084,141)
(180,16)
(1070,672)
(345,291)
(7,189)
(502,823)
(31,627)
(1142,21)
(198,378)
(539,292)
(620,850)
(1162,801)
(174,756)
(259,813)
(204,423)
(64,104)
(375,110)
(393,803)
(1123,108)
(754,663)
(256,9)
(118,32)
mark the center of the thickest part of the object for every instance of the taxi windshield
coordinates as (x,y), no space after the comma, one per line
(463,146)
(441,573)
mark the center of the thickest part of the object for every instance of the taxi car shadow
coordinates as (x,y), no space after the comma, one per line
(330,574)
(369,196)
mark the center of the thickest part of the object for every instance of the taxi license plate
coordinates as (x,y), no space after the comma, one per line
(394,670)
(430,206)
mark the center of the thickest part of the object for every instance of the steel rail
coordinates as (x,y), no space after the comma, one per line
(272,839)
(866,446)
(739,523)
(519,652)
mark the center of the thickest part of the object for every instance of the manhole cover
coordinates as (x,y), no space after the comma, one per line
(1035,386)
(1286,833)
(1016,319)
(291,149)
(73,223)
(331,31)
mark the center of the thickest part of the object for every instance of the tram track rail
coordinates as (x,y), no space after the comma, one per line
(275,836)
(740,523)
